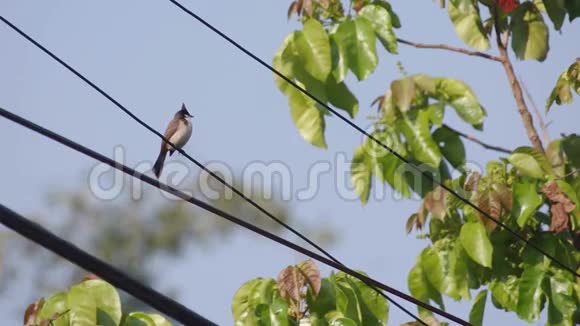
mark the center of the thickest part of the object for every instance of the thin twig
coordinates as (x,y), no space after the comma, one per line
(569,174)
(450,48)
(537,113)
(477,141)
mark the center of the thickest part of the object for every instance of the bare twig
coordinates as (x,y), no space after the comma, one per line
(477,141)
(450,48)
(517,90)
(537,113)
(569,174)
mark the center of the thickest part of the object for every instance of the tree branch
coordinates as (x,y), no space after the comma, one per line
(568,174)
(516,89)
(477,141)
(541,122)
(450,48)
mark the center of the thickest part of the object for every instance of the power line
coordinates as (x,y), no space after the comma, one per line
(39,235)
(362,131)
(200,165)
(169,189)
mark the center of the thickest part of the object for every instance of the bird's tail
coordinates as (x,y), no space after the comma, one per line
(158,166)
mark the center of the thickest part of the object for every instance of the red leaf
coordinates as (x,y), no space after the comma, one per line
(293,9)
(560,207)
(32,312)
(308,8)
(507,5)
(290,282)
(311,272)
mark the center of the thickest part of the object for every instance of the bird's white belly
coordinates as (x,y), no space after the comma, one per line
(182,134)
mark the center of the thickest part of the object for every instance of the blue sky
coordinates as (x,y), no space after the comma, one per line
(152,57)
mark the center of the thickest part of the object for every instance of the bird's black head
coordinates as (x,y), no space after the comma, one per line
(184,111)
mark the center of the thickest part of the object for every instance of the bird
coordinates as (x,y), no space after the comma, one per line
(178,133)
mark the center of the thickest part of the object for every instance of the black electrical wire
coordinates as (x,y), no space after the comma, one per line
(169,189)
(190,158)
(39,235)
(362,131)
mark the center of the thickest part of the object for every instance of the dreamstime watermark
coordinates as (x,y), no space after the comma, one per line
(273,179)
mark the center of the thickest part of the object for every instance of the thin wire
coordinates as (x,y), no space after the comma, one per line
(169,189)
(190,158)
(362,131)
(41,236)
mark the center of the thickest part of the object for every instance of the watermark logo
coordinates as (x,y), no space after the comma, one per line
(272,179)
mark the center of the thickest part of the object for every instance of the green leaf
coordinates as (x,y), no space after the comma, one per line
(283,61)
(325,301)
(262,316)
(556,11)
(571,147)
(530,293)
(249,295)
(561,93)
(388,167)
(562,304)
(475,241)
(451,146)
(105,296)
(278,312)
(555,156)
(465,17)
(307,117)
(421,288)
(505,293)
(529,33)
(478,308)
(361,171)
(394,18)
(339,57)
(415,127)
(403,93)
(526,200)
(366,305)
(391,170)
(356,39)
(56,304)
(532,257)
(340,96)
(347,302)
(437,113)
(569,79)
(314,48)
(144,319)
(336,318)
(530,162)
(458,265)
(380,20)
(139,319)
(573,7)
(83,308)
(159,320)
(438,262)
(461,98)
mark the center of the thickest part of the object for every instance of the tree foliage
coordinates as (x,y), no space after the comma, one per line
(300,296)
(88,303)
(532,191)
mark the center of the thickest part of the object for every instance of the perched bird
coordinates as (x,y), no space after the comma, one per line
(178,133)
